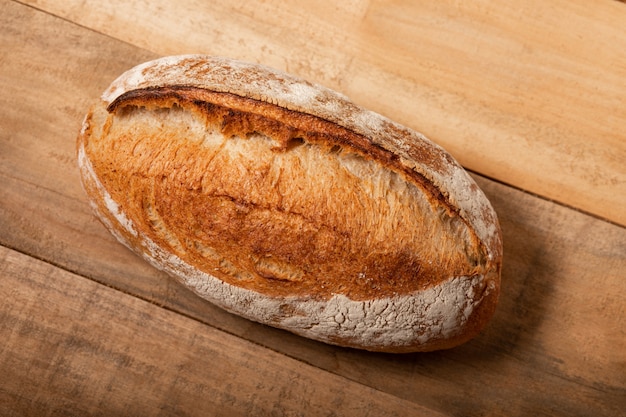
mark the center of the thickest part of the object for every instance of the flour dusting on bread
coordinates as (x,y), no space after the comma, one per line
(284,202)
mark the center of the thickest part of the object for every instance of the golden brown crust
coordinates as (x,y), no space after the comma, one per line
(312,219)
(263,244)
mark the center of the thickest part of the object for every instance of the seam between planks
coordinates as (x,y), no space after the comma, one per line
(90,29)
(498,181)
(255,343)
(547,199)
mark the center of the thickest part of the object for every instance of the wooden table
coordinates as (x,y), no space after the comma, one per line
(530,96)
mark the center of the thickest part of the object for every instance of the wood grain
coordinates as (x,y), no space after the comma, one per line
(555,347)
(100,352)
(529,93)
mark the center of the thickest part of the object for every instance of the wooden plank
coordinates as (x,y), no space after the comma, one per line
(558,320)
(74,347)
(43,209)
(529,93)
(557,329)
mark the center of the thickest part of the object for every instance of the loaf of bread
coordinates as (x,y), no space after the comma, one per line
(285,203)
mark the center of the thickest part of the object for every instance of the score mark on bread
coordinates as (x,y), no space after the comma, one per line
(285,203)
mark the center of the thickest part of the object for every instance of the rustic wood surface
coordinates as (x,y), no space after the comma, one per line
(528,95)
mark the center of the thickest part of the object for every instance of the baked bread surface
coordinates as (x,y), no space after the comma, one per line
(285,203)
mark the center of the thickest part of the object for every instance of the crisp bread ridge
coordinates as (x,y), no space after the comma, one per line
(269,85)
(438,317)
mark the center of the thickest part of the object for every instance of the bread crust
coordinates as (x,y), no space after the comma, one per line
(304,272)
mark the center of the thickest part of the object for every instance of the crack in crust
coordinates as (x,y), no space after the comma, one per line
(241,116)
(273,232)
